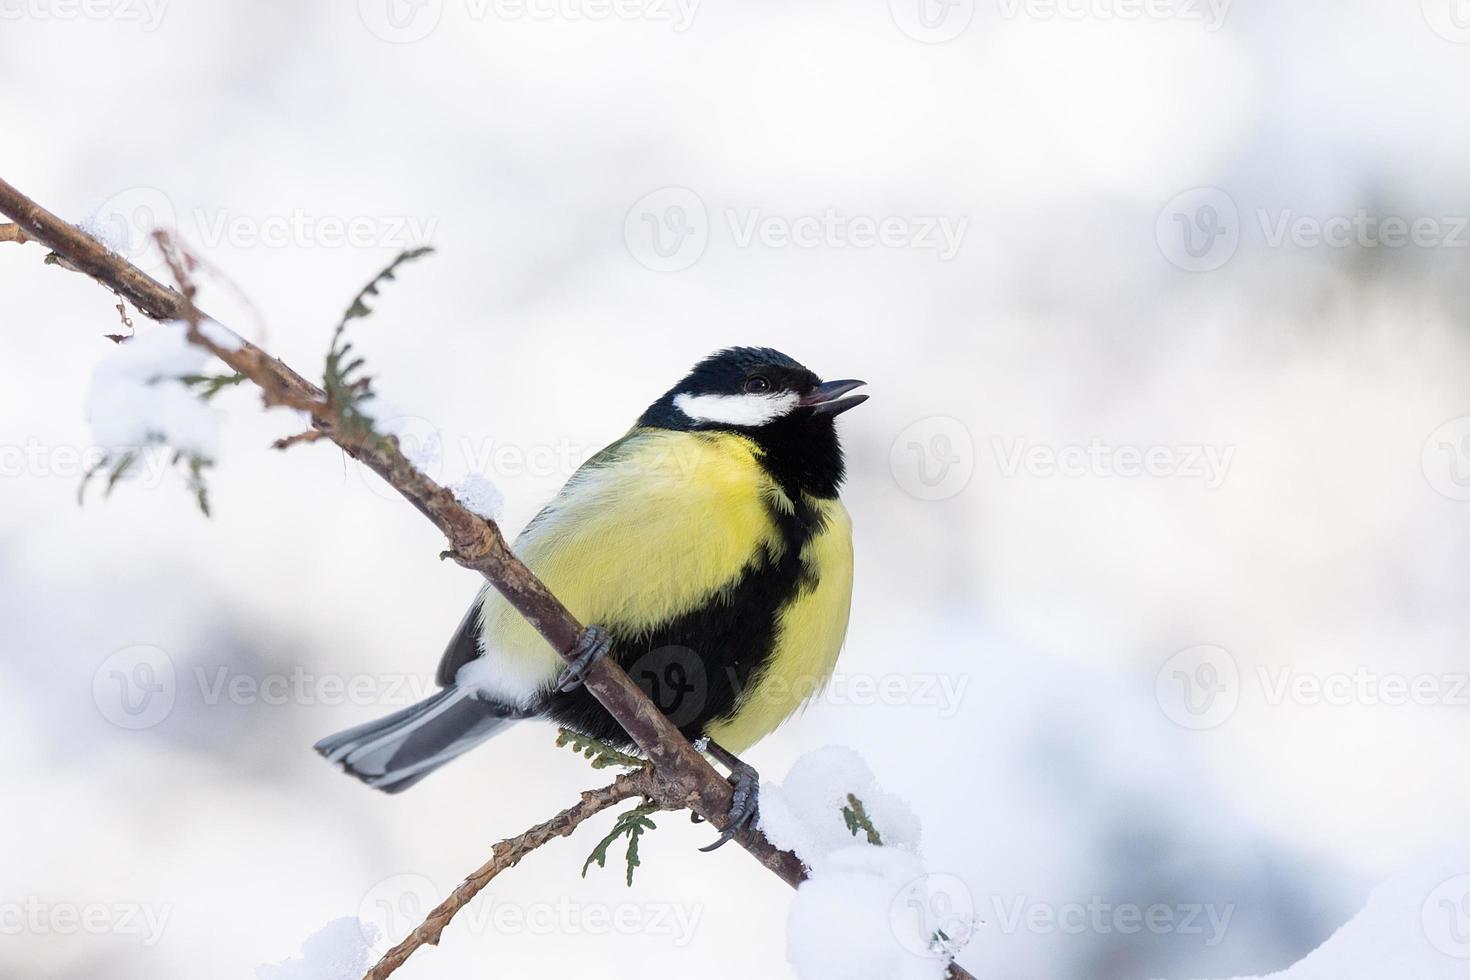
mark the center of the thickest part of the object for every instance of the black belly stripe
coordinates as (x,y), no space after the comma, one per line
(695,666)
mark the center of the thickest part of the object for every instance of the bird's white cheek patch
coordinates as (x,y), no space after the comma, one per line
(736,409)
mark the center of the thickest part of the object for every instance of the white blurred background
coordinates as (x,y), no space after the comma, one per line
(1160,497)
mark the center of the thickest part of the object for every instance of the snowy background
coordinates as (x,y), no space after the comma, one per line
(1160,498)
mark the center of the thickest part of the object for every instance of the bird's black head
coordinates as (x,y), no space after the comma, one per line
(771,399)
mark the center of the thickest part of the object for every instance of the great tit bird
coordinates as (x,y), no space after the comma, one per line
(709,547)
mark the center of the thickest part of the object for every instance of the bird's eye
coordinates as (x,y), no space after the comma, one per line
(757,384)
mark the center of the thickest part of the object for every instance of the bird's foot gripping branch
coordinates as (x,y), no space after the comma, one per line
(674,776)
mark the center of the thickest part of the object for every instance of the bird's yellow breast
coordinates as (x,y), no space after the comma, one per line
(810,631)
(662,524)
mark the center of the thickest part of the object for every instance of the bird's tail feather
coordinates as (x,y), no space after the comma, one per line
(393,753)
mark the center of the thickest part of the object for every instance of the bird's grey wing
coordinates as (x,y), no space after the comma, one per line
(463,647)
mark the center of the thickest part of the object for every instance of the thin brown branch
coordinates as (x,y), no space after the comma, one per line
(507,854)
(685,776)
(13,233)
(680,775)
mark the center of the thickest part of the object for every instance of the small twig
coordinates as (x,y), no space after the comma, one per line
(127,321)
(506,855)
(286,442)
(13,233)
(723,756)
(181,264)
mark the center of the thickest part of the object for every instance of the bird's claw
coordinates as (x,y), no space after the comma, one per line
(594,644)
(743,803)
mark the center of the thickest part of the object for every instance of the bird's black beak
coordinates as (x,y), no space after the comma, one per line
(826,399)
